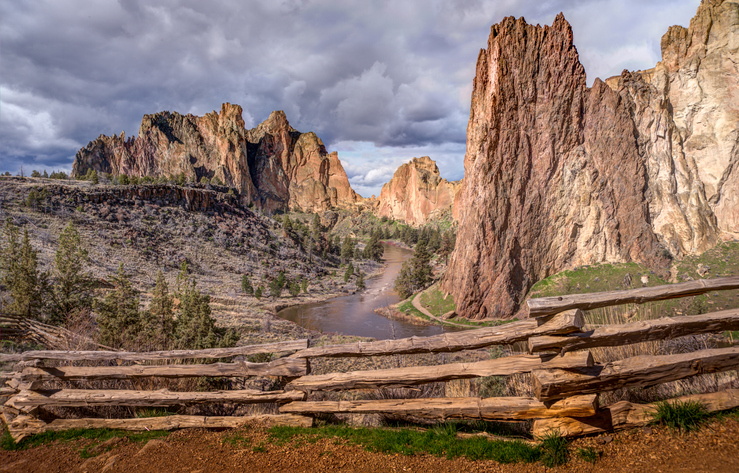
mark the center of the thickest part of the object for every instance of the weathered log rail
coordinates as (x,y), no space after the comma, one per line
(566,380)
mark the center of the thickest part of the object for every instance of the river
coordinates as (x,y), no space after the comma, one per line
(355,314)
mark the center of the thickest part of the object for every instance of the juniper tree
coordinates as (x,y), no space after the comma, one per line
(159,321)
(72,289)
(349,272)
(195,328)
(294,288)
(347,249)
(246,286)
(360,281)
(20,274)
(119,320)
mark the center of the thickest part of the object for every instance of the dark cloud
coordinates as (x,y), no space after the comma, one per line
(390,78)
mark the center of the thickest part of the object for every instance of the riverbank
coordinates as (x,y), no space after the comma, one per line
(355,314)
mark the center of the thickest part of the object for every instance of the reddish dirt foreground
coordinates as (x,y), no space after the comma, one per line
(715,448)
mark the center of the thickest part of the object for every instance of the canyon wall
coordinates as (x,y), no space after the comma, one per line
(272,165)
(416,193)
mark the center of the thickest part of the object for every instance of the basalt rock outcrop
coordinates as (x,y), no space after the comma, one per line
(416,193)
(640,168)
(272,165)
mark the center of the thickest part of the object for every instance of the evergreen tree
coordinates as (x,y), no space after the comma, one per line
(246,286)
(158,322)
(195,328)
(277,285)
(447,245)
(404,281)
(94,177)
(294,288)
(415,274)
(336,247)
(46,175)
(287,224)
(349,272)
(119,320)
(347,249)
(304,284)
(420,266)
(360,281)
(374,249)
(72,286)
(20,275)
(258,292)
(357,253)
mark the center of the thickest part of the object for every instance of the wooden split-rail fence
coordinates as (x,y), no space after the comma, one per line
(567,380)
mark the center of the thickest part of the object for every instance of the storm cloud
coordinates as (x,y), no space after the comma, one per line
(380,82)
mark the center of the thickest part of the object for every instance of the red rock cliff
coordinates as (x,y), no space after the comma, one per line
(272,165)
(553,173)
(416,192)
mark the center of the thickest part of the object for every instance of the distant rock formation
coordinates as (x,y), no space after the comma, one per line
(272,165)
(416,192)
(640,168)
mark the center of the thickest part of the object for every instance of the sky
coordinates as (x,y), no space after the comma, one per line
(380,82)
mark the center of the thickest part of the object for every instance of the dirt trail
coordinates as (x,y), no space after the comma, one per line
(714,448)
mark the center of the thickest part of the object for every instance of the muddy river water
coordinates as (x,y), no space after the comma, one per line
(355,314)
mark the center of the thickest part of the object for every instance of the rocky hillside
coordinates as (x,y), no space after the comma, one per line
(559,175)
(156,227)
(416,193)
(273,166)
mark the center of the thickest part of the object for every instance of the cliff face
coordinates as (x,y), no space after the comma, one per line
(686,111)
(416,192)
(272,165)
(554,176)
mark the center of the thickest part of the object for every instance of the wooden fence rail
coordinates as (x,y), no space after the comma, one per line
(415,375)
(548,306)
(288,367)
(639,371)
(494,408)
(637,332)
(566,380)
(210,353)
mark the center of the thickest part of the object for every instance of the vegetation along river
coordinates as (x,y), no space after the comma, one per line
(355,314)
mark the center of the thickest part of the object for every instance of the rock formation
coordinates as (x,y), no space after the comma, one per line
(553,173)
(272,165)
(558,175)
(686,111)
(416,192)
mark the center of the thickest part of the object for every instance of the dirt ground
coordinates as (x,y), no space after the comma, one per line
(715,448)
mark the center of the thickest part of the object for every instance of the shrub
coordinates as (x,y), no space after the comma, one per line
(684,416)
(554,450)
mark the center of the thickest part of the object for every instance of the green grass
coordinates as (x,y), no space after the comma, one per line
(99,435)
(595,278)
(440,441)
(408,308)
(153,412)
(682,416)
(237,440)
(554,450)
(434,301)
(589,454)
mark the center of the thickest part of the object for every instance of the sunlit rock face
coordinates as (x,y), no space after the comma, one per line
(416,193)
(639,168)
(686,112)
(553,173)
(272,165)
